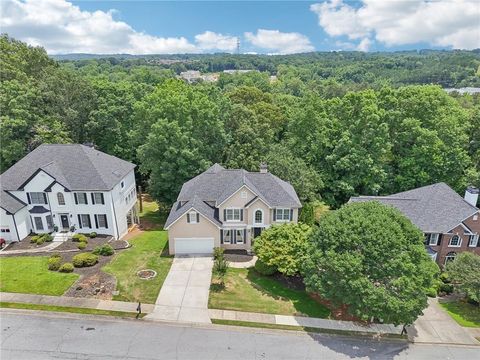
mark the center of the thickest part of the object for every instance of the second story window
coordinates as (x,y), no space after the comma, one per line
(455,241)
(473,240)
(37,198)
(258,217)
(193,217)
(233,214)
(60,199)
(97,198)
(81,198)
(282,215)
(432,239)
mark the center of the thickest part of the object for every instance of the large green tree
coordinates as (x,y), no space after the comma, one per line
(371,258)
(464,272)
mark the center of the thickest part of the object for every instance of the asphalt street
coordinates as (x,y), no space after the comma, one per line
(36,335)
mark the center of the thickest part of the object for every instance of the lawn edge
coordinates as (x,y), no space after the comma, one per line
(455,317)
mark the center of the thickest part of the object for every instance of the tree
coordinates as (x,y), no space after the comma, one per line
(311,212)
(464,273)
(371,258)
(284,247)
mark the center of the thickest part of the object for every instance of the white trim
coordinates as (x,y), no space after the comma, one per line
(475,238)
(240,215)
(467,230)
(189,217)
(253,217)
(236,191)
(430,239)
(283,212)
(468,217)
(168,227)
(455,246)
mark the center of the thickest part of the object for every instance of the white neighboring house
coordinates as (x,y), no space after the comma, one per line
(65,186)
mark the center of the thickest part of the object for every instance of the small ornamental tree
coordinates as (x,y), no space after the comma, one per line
(283,247)
(464,273)
(371,258)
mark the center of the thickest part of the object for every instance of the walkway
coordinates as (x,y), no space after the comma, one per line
(336,325)
(74,302)
(184,294)
(240,261)
(435,326)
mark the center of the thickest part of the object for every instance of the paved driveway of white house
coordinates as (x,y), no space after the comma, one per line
(184,294)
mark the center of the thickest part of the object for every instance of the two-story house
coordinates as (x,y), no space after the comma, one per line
(67,187)
(228,208)
(451,224)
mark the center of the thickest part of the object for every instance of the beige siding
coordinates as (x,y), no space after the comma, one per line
(236,201)
(182,229)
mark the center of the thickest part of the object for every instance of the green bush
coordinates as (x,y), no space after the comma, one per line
(54,263)
(40,240)
(93,234)
(445,278)
(34,238)
(218,253)
(264,269)
(81,245)
(66,268)
(104,250)
(85,260)
(79,238)
(432,292)
(446,288)
(220,268)
(48,237)
(56,255)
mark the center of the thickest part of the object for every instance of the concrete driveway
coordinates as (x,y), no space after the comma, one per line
(184,294)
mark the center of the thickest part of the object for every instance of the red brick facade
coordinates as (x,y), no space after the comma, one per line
(473,223)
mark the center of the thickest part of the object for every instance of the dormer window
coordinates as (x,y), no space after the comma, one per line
(193,217)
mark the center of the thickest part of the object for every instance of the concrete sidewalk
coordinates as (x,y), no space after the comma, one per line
(305,321)
(435,326)
(74,302)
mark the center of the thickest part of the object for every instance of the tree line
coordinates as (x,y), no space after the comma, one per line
(331,137)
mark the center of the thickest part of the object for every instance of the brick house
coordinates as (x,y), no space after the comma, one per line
(451,224)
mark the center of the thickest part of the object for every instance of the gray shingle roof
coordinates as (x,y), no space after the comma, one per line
(201,206)
(217,184)
(434,208)
(38,210)
(77,167)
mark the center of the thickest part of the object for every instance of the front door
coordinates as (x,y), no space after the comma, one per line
(257,231)
(64,221)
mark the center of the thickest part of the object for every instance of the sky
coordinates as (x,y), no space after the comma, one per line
(267,27)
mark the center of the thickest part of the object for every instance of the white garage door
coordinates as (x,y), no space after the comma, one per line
(194,245)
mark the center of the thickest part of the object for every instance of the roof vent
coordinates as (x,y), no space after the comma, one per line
(90,145)
(263,168)
(471,195)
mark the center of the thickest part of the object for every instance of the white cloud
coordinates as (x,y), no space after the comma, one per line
(279,42)
(214,41)
(61,27)
(443,23)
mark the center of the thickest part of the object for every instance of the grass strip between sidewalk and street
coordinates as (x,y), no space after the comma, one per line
(306,329)
(67,309)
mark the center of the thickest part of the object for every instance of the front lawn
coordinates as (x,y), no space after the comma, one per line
(463,313)
(247,290)
(30,274)
(145,253)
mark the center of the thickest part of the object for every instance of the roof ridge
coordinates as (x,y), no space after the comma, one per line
(84,148)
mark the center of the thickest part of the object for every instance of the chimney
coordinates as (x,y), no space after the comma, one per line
(471,195)
(263,168)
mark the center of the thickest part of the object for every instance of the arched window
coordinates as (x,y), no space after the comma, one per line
(259,217)
(61,199)
(450,257)
(455,241)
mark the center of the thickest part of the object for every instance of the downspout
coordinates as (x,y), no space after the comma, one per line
(115,215)
(50,208)
(15,224)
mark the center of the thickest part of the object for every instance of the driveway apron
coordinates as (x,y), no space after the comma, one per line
(184,294)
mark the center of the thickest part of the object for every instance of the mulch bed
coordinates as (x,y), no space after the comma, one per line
(92,243)
(25,244)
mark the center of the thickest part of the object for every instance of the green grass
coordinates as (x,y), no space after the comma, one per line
(151,214)
(30,274)
(463,313)
(77,310)
(145,253)
(246,290)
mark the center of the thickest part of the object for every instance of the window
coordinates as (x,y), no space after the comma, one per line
(233,215)
(227,236)
(101,221)
(282,214)
(450,257)
(432,239)
(258,217)
(81,198)
(49,221)
(239,238)
(7,230)
(38,223)
(97,198)
(193,217)
(455,241)
(243,194)
(122,184)
(473,240)
(37,198)
(60,199)
(84,221)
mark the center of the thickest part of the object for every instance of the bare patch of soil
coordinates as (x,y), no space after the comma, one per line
(338,313)
(98,285)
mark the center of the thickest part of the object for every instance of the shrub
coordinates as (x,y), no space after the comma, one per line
(66,268)
(432,292)
(218,253)
(54,263)
(40,240)
(264,269)
(48,237)
(284,247)
(81,245)
(220,268)
(93,234)
(56,255)
(85,260)
(79,238)
(446,288)
(445,278)
(34,238)
(104,250)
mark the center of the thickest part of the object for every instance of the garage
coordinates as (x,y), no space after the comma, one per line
(199,245)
